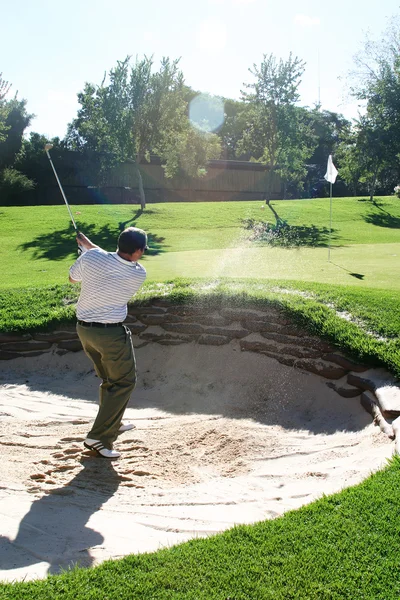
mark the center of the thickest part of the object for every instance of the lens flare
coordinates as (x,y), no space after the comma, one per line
(206,113)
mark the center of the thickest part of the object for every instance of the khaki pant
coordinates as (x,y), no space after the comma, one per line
(111,351)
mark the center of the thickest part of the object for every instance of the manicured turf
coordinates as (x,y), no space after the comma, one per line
(342,547)
(207,240)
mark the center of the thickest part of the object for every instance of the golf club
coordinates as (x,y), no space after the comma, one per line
(47,148)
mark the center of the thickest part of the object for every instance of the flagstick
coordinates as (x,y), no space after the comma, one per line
(330,227)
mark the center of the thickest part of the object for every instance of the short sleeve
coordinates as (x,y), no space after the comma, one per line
(75,271)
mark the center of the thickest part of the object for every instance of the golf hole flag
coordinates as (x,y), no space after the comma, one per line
(331,171)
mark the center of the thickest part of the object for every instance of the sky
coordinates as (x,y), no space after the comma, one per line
(49,49)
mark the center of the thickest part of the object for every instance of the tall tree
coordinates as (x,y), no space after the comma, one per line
(31,159)
(376,82)
(232,130)
(138,113)
(4,89)
(329,129)
(14,119)
(277,133)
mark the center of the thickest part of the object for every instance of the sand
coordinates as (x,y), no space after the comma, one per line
(222,437)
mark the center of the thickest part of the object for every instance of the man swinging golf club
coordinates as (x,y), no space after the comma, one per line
(108,282)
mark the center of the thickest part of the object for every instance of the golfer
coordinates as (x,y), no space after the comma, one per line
(108,281)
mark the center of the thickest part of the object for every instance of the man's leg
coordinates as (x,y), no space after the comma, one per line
(112,353)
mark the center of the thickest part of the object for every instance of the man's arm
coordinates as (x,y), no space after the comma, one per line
(84,244)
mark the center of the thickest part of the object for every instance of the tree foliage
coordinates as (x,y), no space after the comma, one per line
(277,132)
(329,129)
(4,89)
(14,119)
(374,153)
(15,123)
(140,112)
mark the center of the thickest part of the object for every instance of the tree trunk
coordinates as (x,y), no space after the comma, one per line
(141,189)
(284,189)
(372,187)
(267,202)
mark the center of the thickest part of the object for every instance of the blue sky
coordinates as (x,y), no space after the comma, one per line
(49,48)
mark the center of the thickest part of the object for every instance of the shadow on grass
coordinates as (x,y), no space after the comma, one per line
(373,202)
(383,220)
(313,236)
(356,275)
(61,244)
(132,222)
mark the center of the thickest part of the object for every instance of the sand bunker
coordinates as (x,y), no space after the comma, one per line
(222,437)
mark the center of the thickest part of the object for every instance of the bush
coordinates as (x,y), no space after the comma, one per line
(279,234)
(13,183)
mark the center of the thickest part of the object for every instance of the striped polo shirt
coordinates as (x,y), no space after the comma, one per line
(108,282)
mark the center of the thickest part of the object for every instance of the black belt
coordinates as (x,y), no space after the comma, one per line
(92,324)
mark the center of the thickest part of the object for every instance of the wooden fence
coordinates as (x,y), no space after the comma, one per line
(224,181)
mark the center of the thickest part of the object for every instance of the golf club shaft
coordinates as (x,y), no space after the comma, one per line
(62,191)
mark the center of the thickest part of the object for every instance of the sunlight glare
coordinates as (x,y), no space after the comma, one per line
(206,113)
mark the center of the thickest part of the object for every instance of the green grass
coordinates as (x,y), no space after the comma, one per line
(208,240)
(371,335)
(346,546)
(342,547)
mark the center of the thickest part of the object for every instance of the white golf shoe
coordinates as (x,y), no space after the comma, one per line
(101,450)
(126,427)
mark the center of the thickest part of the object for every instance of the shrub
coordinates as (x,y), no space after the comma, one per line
(279,234)
(13,183)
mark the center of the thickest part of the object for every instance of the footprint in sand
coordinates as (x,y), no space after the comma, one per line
(62,469)
(67,453)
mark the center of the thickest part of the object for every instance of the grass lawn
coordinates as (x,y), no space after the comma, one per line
(346,546)
(361,265)
(208,240)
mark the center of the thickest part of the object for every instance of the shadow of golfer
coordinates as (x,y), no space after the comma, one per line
(54,530)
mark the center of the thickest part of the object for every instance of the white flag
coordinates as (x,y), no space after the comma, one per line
(331,171)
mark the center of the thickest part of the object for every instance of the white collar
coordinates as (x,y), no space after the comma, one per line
(123,260)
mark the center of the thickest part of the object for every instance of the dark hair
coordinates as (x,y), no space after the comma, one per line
(132,239)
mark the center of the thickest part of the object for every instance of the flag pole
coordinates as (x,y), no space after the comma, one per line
(330,175)
(330,226)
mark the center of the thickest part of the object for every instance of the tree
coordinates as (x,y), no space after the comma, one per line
(31,159)
(13,121)
(231,132)
(377,84)
(329,129)
(349,159)
(276,132)
(138,113)
(4,89)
